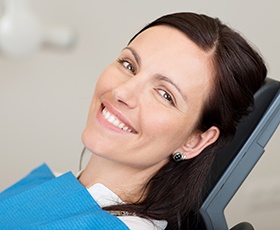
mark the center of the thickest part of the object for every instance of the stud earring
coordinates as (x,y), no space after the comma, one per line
(178,157)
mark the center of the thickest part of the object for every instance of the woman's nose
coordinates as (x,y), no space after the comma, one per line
(128,92)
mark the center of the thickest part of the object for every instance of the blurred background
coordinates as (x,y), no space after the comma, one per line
(46,85)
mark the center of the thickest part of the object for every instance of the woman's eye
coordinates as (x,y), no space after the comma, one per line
(126,64)
(166,96)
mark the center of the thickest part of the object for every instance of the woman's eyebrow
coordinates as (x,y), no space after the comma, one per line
(163,78)
(157,76)
(135,55)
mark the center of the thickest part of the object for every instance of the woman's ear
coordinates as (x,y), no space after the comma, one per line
(200,141)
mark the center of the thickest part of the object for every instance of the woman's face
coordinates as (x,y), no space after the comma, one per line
(146,103)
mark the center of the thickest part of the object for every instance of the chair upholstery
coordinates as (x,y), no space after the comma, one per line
(243,226)
(232,165)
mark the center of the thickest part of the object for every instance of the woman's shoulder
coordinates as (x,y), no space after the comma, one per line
(138,223)
(105,197)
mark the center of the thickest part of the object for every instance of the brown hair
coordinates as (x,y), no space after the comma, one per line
(176,189)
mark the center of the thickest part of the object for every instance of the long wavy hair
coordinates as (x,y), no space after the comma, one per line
(175,191)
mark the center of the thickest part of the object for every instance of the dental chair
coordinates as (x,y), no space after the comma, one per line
(233,164)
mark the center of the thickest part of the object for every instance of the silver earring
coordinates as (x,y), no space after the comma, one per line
(178,157)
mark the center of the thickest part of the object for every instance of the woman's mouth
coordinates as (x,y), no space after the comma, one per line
(115,121)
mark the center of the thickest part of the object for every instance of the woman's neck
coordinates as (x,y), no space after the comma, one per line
(127,182)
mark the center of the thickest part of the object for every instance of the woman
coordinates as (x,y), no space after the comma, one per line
(159,114)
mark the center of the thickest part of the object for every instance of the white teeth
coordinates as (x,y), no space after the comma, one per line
(107,115)
(116,123)
(112,119)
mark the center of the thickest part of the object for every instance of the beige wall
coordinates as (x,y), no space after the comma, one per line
(44,99)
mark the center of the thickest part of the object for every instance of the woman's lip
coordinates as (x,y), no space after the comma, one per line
(118,115)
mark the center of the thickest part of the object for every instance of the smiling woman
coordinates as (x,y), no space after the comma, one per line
(160,112)
(149,82)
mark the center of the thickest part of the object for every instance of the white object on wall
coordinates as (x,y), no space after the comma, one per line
(22,33)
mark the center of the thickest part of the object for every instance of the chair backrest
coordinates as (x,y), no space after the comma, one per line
(233,164)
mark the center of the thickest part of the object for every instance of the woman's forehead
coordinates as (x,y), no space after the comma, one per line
(166,51)
(171,51)
(168,42)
